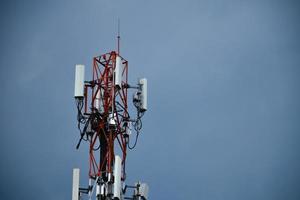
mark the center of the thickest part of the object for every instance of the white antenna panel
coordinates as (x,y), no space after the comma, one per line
(79,81)
(118,72)
(143,84)
(75,191)
(98,101)
(117,177)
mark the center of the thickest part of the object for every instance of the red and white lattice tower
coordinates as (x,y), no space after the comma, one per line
(105,123)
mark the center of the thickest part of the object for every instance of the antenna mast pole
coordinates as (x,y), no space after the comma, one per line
(119,36)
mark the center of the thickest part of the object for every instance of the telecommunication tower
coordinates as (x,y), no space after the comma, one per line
(106,125)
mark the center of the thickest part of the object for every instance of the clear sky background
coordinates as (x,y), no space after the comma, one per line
(224,98)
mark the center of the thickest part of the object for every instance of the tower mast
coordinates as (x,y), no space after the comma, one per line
(104,122)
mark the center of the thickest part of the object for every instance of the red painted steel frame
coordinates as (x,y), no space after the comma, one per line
(103,82)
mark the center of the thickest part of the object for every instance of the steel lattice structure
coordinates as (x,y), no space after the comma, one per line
(105,99)
(104,122)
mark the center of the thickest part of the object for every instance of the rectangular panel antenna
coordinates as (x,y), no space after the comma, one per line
(75,190)
(143,84)
(117,177)
(118,72)
(79,81)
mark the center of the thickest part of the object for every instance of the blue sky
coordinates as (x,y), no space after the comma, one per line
(223,78)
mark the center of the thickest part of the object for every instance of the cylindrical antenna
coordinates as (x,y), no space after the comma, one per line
(118,36)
